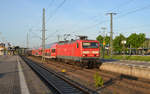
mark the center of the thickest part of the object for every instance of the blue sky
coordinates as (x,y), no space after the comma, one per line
(76,17)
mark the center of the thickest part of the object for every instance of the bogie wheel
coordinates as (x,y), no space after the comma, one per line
(90,65)
(82,65)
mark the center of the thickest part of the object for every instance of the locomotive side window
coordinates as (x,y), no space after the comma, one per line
(77,45)
(90,45)
(46,54)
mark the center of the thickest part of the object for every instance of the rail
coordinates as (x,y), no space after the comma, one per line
(58,81)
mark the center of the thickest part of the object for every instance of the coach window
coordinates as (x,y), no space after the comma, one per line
(77,45)
(53,50)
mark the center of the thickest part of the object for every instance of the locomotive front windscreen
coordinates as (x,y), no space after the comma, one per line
(90,45)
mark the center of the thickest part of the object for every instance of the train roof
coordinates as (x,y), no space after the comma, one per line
(50,45)
(72,41)
(46,46)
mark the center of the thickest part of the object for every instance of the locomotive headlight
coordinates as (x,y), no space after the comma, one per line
(95,52)
(85,52)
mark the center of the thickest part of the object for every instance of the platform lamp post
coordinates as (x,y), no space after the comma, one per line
(123,42)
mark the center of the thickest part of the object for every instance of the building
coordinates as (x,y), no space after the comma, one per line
(2,48)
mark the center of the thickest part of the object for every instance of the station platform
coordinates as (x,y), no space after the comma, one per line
(141,64)
(16,77)
(138,69)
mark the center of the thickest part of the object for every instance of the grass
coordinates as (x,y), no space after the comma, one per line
(98,80)
(137,58)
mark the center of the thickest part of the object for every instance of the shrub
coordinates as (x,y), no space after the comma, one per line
(98,80)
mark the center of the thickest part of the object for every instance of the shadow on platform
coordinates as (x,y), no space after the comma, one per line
(1,75)
(6,73)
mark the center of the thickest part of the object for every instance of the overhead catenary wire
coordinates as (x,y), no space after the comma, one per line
(127,13)
(133,27)
(35,34)
(121,5)
(134,11)
(55,11)
(52,14)
(88,27)
(92,26)
(104,21)
(131,12)
(50,4)
(52,33)
(116,8)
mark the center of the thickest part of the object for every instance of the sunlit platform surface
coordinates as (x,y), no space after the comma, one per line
(17,78)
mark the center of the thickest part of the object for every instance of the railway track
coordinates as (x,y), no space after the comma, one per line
(112,81)
(60,83)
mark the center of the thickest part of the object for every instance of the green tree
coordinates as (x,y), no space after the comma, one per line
(100,39)
(104,41)
(117,46)
(141,38)
(107,40)
(136,40)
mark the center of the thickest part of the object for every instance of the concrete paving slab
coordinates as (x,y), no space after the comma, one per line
(129,63)
(16,77)
(9,79)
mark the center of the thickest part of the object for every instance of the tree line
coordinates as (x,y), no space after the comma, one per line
(133,41)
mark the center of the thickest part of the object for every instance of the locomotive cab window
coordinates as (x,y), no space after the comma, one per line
(90,45)
(77,45)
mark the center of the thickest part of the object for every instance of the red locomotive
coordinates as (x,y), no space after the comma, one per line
(82,51)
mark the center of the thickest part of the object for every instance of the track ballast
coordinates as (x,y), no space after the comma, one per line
(61,84)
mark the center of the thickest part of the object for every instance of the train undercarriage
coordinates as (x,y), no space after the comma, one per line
(82,62)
